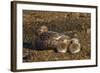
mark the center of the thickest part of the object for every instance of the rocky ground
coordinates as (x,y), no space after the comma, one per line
(78,24)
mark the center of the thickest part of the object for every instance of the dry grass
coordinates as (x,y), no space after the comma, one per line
(51,55)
